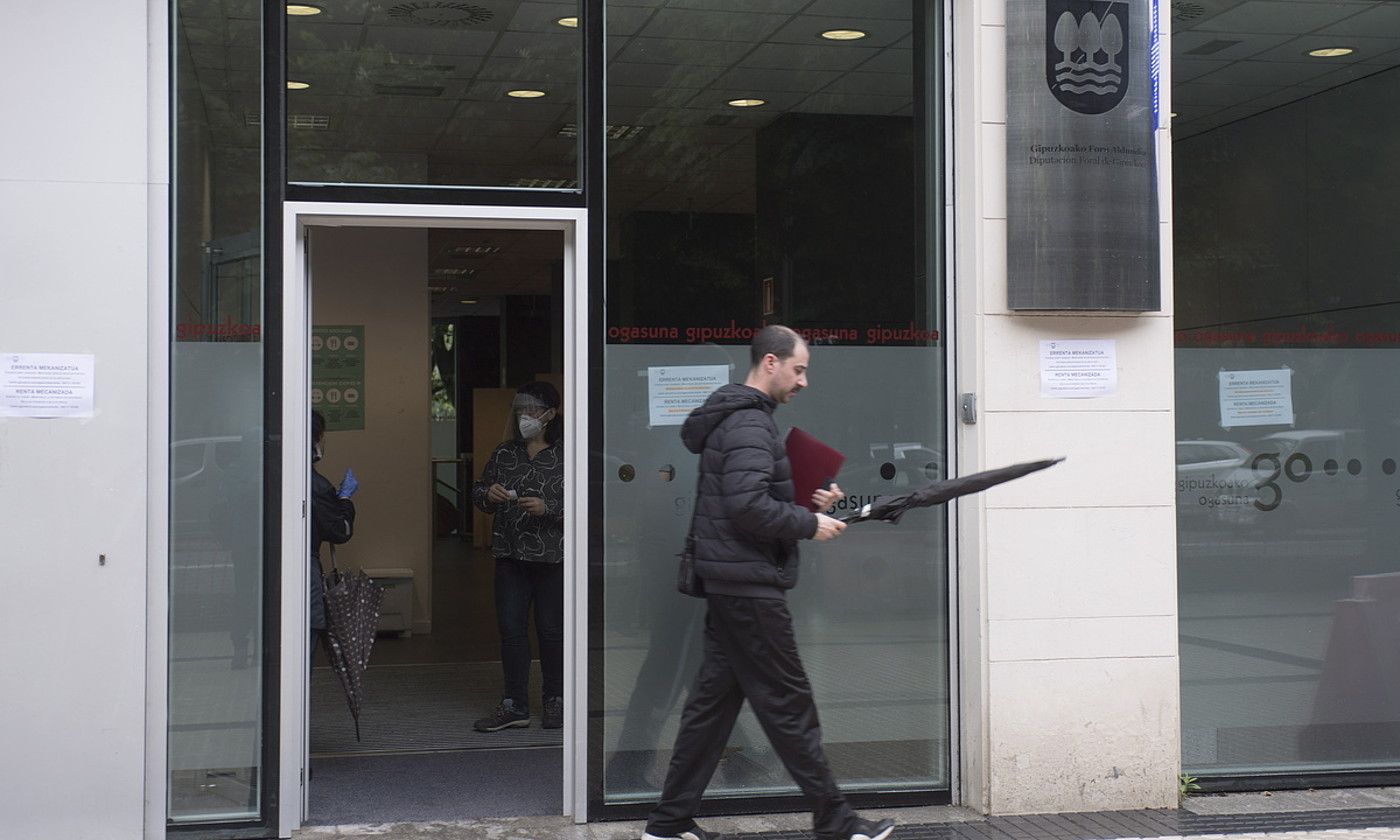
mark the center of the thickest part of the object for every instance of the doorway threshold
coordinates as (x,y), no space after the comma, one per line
(562,828)
(430,788)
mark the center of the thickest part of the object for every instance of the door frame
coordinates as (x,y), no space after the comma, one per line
(297,219)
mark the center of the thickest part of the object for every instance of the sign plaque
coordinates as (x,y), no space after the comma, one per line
(1082,220)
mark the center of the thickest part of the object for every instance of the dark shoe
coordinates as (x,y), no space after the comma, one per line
(553,713)
(506,714)
(695,832)
(870,830)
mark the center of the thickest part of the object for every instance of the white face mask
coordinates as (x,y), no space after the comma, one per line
(532,427)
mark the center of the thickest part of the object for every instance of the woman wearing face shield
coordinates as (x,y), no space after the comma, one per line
(522,485)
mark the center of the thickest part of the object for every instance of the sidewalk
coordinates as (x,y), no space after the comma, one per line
(1347,814)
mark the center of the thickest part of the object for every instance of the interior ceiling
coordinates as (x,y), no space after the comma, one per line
(1235,58)
(479,265)
(410,79)
(395,83)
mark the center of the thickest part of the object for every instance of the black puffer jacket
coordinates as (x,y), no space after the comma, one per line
(746,525)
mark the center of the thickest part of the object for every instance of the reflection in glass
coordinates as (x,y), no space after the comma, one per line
(1287,386)
(808,210)
(215,671)
(440,93)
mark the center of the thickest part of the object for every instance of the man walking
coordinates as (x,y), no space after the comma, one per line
(746,529)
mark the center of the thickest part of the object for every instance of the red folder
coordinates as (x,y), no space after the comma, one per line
(814,465)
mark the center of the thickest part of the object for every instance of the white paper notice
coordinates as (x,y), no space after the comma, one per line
(46,385)
(672,392)
(1256,398)
(1078,368)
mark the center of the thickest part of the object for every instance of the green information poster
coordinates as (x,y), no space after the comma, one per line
(338,376)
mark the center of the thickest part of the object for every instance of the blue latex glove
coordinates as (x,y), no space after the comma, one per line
(349,484)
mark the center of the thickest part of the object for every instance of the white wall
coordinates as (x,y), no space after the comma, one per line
(375,277)
(1070,686)
(82,175)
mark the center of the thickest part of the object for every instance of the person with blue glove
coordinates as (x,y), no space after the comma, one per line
(332,521)
(348,485)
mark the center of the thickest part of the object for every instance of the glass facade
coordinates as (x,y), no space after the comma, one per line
(435,93)
(216,675)
(771,164)
(760,171)
(1287,321)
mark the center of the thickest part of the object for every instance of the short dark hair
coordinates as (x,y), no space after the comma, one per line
(777,339)
(318,426)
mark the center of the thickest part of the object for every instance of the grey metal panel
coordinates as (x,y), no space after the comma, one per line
(1082,226)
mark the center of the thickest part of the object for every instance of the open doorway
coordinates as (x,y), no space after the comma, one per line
(420,340)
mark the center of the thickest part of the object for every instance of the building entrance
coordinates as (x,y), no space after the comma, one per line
(421,343)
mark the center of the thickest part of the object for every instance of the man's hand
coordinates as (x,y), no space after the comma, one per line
(828,528)
(533,505)
(497,493)
(824,499)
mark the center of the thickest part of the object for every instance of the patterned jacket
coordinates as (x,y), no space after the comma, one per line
(516,533)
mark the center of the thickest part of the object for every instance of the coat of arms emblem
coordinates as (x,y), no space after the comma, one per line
(1086,53)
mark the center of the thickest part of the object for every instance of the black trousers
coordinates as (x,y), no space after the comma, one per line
(750,654)
(519,584)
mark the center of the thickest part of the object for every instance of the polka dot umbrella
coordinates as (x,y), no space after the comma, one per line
(352,616)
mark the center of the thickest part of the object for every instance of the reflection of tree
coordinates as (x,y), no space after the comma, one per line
(444,371)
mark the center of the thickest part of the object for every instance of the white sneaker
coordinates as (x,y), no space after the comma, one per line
(871,830)
(692,833)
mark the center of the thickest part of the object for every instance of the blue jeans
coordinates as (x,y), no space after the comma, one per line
(518,585)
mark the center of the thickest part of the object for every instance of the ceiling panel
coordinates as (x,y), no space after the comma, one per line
(1296,50)
(898,85)
(431,41)
(1218,96)
(1223,46)
(835,103)
(1186,69)
(838,56)
(682,51)
(1265,73)
(786,7)
(863,10)
(662,75)
(891,60)
(758,78)
(807,29)
(746,27)
(1280,16)
(541,17)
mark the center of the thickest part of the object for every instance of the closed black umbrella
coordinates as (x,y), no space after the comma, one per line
(891,508)
(352,616)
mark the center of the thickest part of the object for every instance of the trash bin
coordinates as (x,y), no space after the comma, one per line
(396,613)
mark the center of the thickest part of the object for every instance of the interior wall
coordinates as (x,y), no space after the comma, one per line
(377,278)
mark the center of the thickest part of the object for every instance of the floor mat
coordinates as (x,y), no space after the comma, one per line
(436,786)
(416,708)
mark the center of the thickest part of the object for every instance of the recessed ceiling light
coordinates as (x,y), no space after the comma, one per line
(1172,115)
(843,34)
(570,22)
(467,300)
(1331,52)
(303,9)
(294,85)
(747,103)
(525,94)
